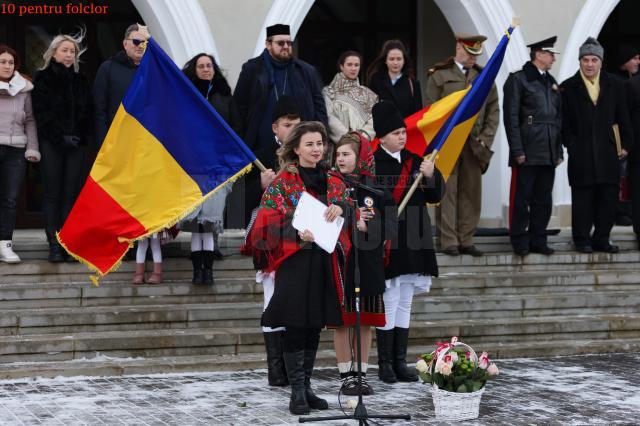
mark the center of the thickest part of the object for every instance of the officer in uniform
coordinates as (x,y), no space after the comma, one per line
(459,211)
(532,119)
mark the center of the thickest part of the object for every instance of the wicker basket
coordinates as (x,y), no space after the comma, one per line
(456,405)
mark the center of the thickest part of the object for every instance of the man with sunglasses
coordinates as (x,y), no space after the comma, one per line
(114,76)
(266,78)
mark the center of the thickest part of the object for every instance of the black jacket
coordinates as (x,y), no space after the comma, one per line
(412,250)
(62,104)
(632,91)
(533,117)
(254,88)
(587,130)
(406,94)
(109,87)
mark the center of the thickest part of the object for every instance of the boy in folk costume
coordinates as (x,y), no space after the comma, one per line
(412,260)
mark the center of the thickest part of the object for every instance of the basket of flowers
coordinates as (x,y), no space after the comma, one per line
(457,377)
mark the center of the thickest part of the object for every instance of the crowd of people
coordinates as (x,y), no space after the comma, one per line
(320,140)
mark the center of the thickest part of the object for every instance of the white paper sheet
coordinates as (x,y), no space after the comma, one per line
(309,215)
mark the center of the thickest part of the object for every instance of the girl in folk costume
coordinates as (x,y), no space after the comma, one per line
(155,242)
(412,260)
(348,102)
(354,159)
(308,280)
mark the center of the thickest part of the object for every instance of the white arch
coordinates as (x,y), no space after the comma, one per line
(283,12)
(181,28)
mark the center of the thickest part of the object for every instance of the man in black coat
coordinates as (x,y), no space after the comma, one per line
(633,99)
(113,78)
(532,119)
(264,79)
(592,102)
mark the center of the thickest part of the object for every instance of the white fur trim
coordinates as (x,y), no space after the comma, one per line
(32,153)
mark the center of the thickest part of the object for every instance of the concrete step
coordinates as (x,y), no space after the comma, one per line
(241,314)
(113,366)
(240,286)
(234,340)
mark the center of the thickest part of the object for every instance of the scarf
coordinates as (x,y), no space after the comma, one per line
(593,88)
(360,97)
(365,163)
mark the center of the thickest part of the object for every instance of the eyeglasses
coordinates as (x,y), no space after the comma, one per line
(135,41)
(283,43)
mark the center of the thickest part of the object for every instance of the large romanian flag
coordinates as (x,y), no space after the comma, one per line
(445,125)
(166,151)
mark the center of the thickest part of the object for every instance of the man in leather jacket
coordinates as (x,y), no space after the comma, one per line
(532,119)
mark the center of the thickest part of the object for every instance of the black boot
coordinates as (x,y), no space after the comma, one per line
(275,363)
(401,337)
(294,362)
(207,263)
(384,341)
(56,252)
(198,271)
(314,401)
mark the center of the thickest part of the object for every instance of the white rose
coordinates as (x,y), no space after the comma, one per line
(352,404)
(492,370)
(445,369)
(454,356)
(421,366)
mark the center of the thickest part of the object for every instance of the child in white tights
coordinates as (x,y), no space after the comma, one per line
(141,254)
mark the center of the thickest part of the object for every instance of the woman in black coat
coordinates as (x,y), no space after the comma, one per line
(391,78)
(62,108)
(587,132)
(411,259)
(207,221)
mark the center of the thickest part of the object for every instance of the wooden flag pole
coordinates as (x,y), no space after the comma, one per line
(259,165)
(405,200)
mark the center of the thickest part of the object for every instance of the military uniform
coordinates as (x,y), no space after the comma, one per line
(532,119)
(459,211)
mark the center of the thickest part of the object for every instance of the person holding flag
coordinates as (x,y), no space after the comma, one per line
(411,260)
(459,211)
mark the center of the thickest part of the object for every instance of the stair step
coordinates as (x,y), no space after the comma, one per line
(112,366)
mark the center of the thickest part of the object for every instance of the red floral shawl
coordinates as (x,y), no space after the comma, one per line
(271,236)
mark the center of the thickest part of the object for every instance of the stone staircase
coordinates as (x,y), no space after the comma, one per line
(54,322)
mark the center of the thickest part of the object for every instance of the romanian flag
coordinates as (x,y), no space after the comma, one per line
(445,125)
(166,151)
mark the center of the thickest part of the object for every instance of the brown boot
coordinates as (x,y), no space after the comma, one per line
(156,275)
(138,275)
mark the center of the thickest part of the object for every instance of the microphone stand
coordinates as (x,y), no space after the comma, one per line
(360,413)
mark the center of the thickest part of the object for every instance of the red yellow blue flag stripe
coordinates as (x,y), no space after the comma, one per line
(166,151)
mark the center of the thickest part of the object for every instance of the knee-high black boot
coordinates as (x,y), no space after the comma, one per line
(401,337)
(314,401)
(207,264)
(294,362)
(275,363)
(196,259)
(384,341)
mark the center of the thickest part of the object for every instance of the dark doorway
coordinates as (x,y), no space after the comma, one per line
(620,28)
(30,36)
(334,26)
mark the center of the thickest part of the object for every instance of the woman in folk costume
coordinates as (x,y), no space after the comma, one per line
(348,102)
(412,260)
(378,214)
(308,280)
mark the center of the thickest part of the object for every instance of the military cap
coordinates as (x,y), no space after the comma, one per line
(278,29)
(285,106)
(624,53)
(471,43)
(546,45)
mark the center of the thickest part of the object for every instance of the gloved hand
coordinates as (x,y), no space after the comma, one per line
(70,141)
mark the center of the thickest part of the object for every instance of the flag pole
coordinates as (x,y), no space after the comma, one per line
(259,165)
(405,200)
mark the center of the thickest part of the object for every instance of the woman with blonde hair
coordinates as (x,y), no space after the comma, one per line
(62,108)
